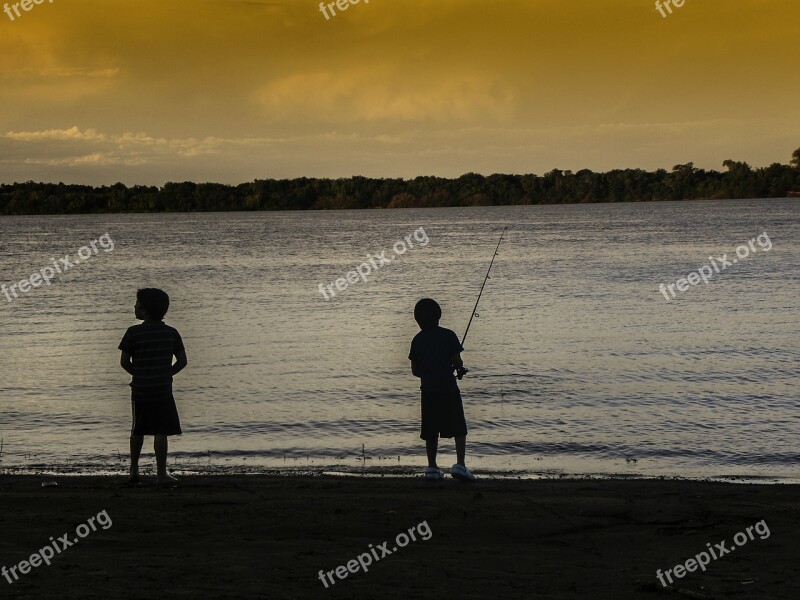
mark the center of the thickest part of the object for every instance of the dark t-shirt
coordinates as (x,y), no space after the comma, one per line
(433,350)
(152,346)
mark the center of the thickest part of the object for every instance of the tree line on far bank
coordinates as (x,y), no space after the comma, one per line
(684,182)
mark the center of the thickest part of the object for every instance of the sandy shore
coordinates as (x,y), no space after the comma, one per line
(268,537)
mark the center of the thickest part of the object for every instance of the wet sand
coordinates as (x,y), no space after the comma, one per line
(268,537)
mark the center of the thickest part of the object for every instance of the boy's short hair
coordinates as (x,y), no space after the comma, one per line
(154,301)
(427,313)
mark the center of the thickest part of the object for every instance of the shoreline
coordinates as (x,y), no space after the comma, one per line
(400,472)
(250,536)
(240,210)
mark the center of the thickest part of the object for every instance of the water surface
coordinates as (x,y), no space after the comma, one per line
(578,363)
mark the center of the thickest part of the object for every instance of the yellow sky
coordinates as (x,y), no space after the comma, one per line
(143,91)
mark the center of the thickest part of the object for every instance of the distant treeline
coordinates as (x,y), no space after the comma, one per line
(684,182)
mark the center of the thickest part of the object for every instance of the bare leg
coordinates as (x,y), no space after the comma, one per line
(461,449)
(431,446)
(161,446)
(136,451)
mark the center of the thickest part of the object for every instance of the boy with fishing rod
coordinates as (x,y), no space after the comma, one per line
(435,355)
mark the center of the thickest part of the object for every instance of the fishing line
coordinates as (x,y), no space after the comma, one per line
(463,370)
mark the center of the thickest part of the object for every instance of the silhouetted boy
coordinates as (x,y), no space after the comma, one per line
(147,352)
(435,354)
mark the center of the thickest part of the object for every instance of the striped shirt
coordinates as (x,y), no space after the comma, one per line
(433,350)
(152,346)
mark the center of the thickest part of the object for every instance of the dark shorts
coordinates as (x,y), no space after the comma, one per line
(442,414)
(156,417)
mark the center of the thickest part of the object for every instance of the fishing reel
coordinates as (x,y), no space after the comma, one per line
(460,372)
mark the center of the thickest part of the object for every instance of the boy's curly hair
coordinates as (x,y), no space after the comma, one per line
(427,313)
(154,301)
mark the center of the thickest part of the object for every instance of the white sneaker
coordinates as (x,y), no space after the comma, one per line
(434,474)
(461,472)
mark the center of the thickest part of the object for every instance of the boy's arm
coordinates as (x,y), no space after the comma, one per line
(458,365)
(125,362)
(412,355)
(415,369)
(180,362)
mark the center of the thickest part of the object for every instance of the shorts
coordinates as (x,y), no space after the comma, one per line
(155,418)
(442,414)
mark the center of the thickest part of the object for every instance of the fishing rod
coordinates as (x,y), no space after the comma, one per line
(463,370)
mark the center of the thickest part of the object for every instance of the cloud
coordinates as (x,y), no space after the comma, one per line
(375,94)
(74,147)
(124,148)
(73,133)
(95,159)
(63,71)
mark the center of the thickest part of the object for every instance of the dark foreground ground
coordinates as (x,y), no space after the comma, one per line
(267,537)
